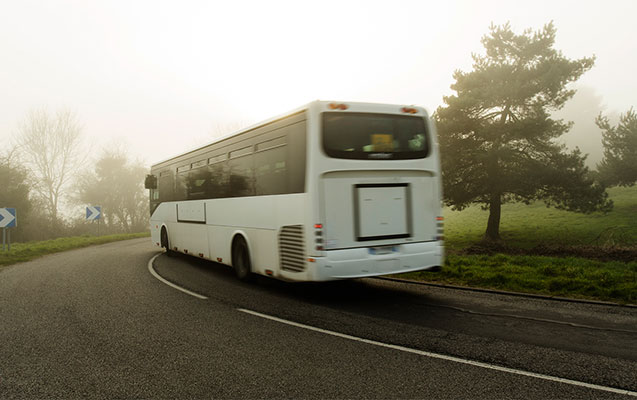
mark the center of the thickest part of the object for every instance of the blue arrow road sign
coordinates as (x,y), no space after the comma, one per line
(93,213)
(8,218)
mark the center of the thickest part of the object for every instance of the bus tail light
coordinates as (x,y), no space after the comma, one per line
(318,231)
(409,110)
(440,225)
(337,106)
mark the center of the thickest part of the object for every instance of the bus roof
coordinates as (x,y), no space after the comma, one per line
(359,106)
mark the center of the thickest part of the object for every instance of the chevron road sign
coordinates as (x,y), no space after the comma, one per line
(93,213)
(8,218)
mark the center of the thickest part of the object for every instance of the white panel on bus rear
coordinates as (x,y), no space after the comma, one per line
(382,211)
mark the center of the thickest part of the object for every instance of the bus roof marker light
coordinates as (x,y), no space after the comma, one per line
(409,110)
(337,106)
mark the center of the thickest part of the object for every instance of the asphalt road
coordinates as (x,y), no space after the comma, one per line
(95,323)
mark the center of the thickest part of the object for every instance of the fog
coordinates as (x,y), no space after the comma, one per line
(163,77)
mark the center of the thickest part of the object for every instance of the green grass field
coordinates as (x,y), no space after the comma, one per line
(28,251)
(525,228)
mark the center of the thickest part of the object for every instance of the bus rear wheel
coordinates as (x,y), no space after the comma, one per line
(241,260)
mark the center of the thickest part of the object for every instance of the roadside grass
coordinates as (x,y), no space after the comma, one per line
(21,252)
(527,228)
(554,276)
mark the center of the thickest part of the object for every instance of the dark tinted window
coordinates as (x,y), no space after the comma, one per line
(271,169)
(166,184)
(217,181)
(197,183)
(241,176)
(267,161)
(374,136)
(297,156)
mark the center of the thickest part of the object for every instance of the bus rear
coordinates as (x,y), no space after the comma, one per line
(373,177)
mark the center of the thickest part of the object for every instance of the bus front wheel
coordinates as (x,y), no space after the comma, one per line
(241,260)
(165,243)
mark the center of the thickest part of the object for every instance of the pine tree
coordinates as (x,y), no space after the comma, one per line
(619,166)
(497,140)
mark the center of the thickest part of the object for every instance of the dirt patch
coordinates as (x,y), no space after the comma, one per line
(602,253)
(624,254)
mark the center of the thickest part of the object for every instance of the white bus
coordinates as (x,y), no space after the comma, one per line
(328,191)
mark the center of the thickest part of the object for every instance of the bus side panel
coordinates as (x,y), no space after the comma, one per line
(165,214)
(219,243)
(252,217)
(191,239)
(257,218)
(263,249)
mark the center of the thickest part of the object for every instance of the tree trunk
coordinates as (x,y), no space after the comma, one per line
(493,226)
(495,203)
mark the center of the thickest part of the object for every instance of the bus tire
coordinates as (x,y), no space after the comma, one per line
(165,243)
(241,260)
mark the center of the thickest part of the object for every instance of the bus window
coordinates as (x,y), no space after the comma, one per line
(241,173)
(374,136)
(198,180)
(297,156)
(166,186)
(271,174)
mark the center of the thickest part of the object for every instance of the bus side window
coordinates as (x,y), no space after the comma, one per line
(271,174)
(241,173)
(296,157)
(166,186)
(197,183)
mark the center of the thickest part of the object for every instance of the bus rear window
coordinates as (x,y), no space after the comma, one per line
(374,136)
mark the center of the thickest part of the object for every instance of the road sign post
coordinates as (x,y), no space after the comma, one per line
(8,219)
(94,213)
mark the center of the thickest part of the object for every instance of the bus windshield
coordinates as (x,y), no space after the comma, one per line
(374,136)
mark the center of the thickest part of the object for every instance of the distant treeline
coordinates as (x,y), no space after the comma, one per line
(48,178)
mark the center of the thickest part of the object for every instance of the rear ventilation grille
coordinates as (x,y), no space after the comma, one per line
(291,248)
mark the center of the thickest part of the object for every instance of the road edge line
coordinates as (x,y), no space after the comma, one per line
(444,357)
(156,275)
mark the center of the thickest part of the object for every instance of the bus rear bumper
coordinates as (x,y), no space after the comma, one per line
(366,262)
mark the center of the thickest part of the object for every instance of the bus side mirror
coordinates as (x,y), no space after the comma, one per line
(150,182)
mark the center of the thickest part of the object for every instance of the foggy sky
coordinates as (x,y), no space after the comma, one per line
(164,76)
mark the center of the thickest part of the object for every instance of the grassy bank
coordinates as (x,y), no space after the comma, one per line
(28,251)
(529,232)
(554,276)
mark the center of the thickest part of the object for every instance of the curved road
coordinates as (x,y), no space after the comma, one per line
(96,323)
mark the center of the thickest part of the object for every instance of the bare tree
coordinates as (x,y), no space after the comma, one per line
(51,147)
(117,185)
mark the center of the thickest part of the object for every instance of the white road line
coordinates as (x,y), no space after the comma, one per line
(444,357)
(156,275)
